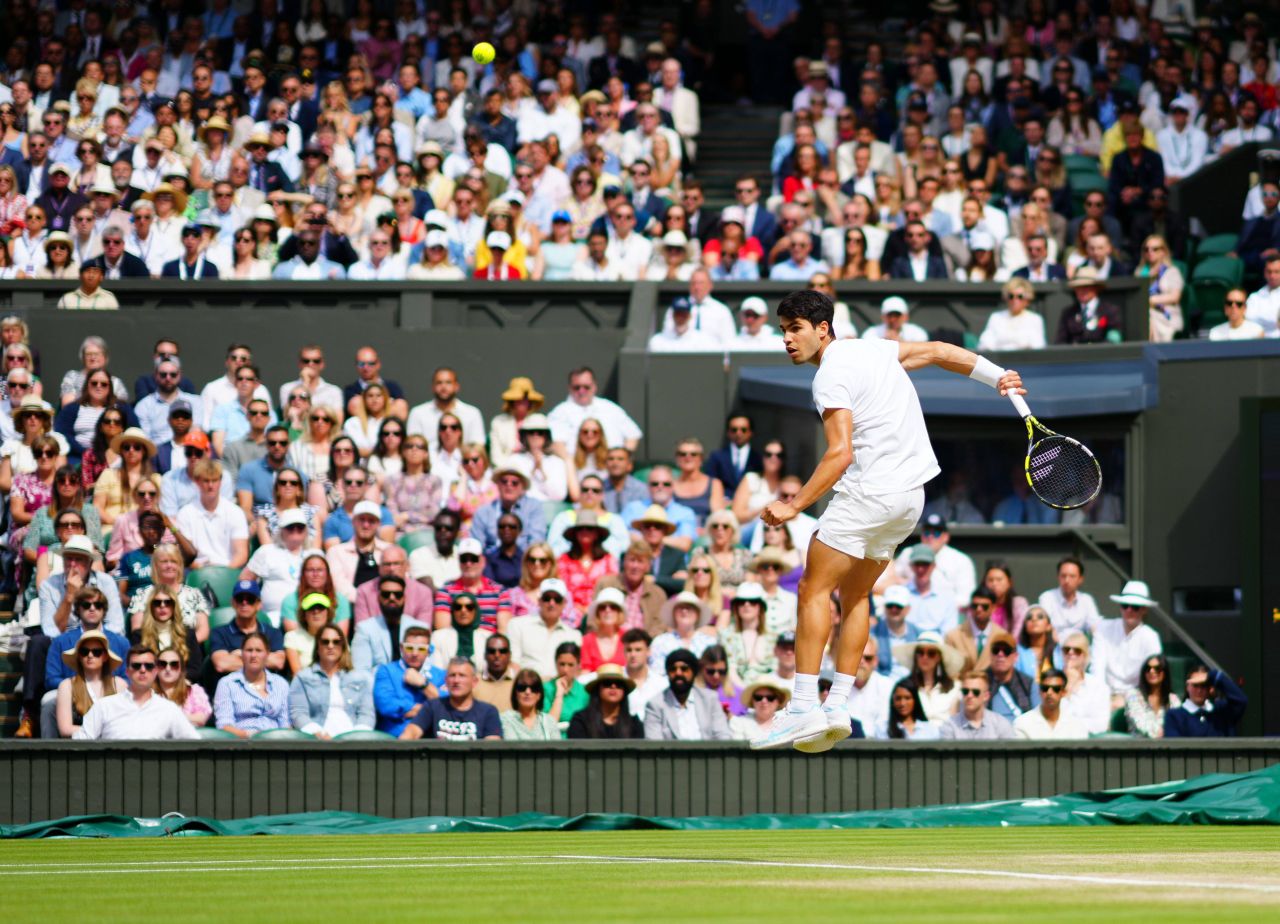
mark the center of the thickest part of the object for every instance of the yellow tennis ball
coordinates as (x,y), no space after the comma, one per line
(483,53)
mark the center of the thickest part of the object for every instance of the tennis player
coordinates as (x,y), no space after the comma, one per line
(878,459)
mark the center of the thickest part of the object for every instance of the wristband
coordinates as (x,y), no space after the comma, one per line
(986,372)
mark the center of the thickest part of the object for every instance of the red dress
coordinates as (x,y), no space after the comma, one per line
(591,657)
(581,580)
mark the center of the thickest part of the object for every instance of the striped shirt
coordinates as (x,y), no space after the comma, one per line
(238,704)
(491,597)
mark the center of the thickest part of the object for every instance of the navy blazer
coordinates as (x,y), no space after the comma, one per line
(170,270)
(1056,272)
(22,172)
(65,423)
(901,268)
(1228,707)
(131,267)
(720,465)
(276,178)
(764,229)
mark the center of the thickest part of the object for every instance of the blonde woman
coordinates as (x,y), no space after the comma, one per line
(310,453)
(592,450)
(725,549)
(539,565)
(336,108)
(366,423)
(1164,289)
(86,122)
(163,627)
(702,579)
(172,684)
(168,569)
(693,487)
(113,491)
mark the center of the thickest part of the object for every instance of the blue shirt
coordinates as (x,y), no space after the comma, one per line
(438,719)
(230,638)
(135,570)
(633,489)
(153,414)
(392,697)
(56,670)
(484,525)
(932,611)
(177,489)
(790,271)
(885,641)
(237,705)
(260,479)
(414,101)
(339,524)
(233,421)
(686,520)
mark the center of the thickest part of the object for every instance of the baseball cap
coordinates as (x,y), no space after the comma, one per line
(935,522)
(612,190)
(547,86)
(922,553)
(437,238)
(181,406)
(60,168)
(918,103)
(292,517)
(1184,102)
(366,508)
(554,586)
(196,439)
(754,305)
(590,125)
(498,240)
(1128,107)
(682,304)
(735,214)
(897,595)
(470,546)
(894,304)
(247,588)
(787,639)
(311,600)
(562,216)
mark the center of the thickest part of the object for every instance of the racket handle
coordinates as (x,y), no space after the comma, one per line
(1020,405)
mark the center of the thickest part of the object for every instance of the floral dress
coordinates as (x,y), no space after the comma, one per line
(1142,719)
(581,579)
(35,494)
(420,496)
(468,495)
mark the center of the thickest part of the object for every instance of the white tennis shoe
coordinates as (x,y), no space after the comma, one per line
(790,727)
(839,727)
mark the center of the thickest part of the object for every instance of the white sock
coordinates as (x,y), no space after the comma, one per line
(841,687)
(805,695)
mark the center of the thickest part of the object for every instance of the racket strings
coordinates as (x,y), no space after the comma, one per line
(1062,472)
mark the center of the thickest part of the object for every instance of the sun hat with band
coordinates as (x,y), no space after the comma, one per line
(133,435)
(685,598)
(609,596)
(33,404)
(610,672)
(655,515)
(587,519)
(70,656)
(521,388)
(952,660)
(1134,593)
(750,690)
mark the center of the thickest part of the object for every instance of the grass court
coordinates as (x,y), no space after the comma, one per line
(1105,874)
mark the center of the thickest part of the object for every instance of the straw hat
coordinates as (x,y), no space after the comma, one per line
(133,435)
(768,555)
(33,404)
(610,672)
(179,197)
(58,237)
(586,519)
(952,659)
(214,123)
(70,656)
(521,389)
(685,598)
(655,514)
(749,692)
(1086,276)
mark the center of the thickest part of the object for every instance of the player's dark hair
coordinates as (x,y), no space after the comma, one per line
(808,305)
(1070,560)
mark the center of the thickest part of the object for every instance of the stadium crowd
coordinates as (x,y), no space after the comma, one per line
(338,559)
(359,140)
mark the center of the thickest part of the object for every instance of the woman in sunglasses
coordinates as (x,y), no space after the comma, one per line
(764,698)
(464,637)
(287,495)
(315,707)
(164,627)
(87,433)
(168,568)
(245,263)
(414,495)
(309,453)
(59,260)
(1145,707)
(606,714)
(33,418)
(300,643)
(475,486)
(173,684)
(33,490)
(113,491)
(94,664)
(527,719)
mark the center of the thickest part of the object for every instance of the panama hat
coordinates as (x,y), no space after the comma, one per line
(521,388)
(749,692)
(685,598)
(33,404)
(133,435)
(655,514)
(586,519)
(93,635)
(1134,593)
(610,672)
(179,197)
(952,660)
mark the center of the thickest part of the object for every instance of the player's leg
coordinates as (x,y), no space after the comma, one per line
(825,570)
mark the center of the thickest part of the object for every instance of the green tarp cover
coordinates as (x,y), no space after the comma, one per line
(1217,798)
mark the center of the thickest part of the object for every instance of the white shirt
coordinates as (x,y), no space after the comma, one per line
(1247,330)
(870,704)
(391,268)
(1263,308)
(426,561)
(1008,331)
(155,251)
(213,531)
(424,420)
(1033,725)
(277,569)
(1126,653)
(1080,616)
(711,316)
(953,571)
(533,645)
(588,270)
(1183,152)
(768,340)
(630,255)
(223,391)
(550,483)
(121,718)
(891,450)
(567,417)
(910,333)
(1090,704)
(691,341)
(326,394)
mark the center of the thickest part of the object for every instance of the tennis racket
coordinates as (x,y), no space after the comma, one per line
(1061,471)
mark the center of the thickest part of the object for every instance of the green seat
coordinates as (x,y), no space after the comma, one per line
(1081,163)
(1118,722)
(221,616)
(1216,245)
(1111,734)
(1229,269)
(216,734)
(215,583)
(1212,279)
(283,734)
(552,509)
(1082,184)
(970,340)
(416,540)
(364,734)
(642,474)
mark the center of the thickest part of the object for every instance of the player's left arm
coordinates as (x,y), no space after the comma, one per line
(837,425)
(960,361)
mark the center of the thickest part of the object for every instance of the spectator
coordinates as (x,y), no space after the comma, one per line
(1090,320)
(165,391)
(1259,240)
(528,718)
(602,643)
(136,713)
(1039,267)
(1070,608)
(536,637)
(251,698)
(330,697)
(762,699)
(222,390)
(226,641)
(1237,326)
(1164,289)
(799,265)
(414,494)
(683,615)
(567,696)
(933,606)
(498,676)
(494,599)
(1015,327)
(355,561)
(906,719)
(300,643)
(607,715)
(868,701)
(1213,707)
(174,686)
(462,636)
(1145,708)
(513,497)
(1128,641)
(1050,722)
(90,295)
(972,637)
(974,721)
(94,663)
(215,526)
(419,598)
(683,711)
(1087,696)
(436,562)
(1012,691)
(424,419)
(166,627)
(895,323)
(1183,147)
(933,667)
(918,262)
(459,716)
(1263,306)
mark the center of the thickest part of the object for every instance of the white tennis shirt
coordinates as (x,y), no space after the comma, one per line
(891,450)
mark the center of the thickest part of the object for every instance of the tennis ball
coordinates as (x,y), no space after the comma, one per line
(483,53)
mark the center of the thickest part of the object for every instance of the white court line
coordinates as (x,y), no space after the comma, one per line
(489,860)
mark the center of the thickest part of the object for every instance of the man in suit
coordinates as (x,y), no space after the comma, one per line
(115,261)
(192,264)
(1260,237)
(702,222)
(737,457)
(918,263)
(613,62)
(760,223)
(309,264)
(1090,320)
(265,175)
(671,96)
(684,712)
(1038,268)
(303,112)
(371,645)
(654,528)
(972,638)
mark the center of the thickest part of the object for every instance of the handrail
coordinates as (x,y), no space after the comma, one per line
(1166,621)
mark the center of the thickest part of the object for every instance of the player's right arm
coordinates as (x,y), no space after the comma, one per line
(837,425)
(960,361)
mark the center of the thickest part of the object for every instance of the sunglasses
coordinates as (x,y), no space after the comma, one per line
(552,598)
(1003,650)
(982,607)
(464,607)
(1051,688)
(162,601)
(497,651)
(142,665)
(53,454)
(527,688)
(330,643)
(449,426)
(970,691)
(416,649)
(93,605)
(93,652)
(765,698)
(715,671)
(391,594)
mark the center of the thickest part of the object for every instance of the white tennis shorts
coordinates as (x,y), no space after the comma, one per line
(870,526)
